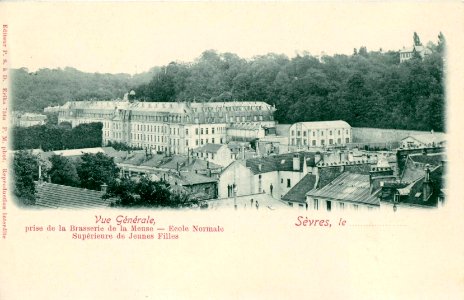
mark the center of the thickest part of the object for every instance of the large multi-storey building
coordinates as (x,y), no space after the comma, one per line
(320,134)
(173,127)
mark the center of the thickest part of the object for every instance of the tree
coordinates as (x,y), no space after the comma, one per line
(146,193)
(25,172)
(441,43)
(96,169)
(416,40)
(63,171)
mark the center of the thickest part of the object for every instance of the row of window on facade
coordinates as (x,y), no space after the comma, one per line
(297,142)
(229,108)
(298,132)
(328,205)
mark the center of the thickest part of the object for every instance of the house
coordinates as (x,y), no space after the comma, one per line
(52,195)
(274,175)
(319,134)
(408,53)
(200,186)
(433,139)
(28,119)
(347,191)
(218,154)
(296,196)
(425,190)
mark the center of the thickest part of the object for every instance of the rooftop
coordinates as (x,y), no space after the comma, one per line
(326,124)
(60,196)
(298,192)
(209,148)
(281,162)
(348,187)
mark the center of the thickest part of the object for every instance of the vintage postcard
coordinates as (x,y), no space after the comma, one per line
(231,150)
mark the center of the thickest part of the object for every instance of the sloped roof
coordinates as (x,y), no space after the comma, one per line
(60,196)
(135,158)
(325,124)
(75,152)
(431,159)
(209,148)
(298,192)
(429,138)
(282,162)
(327,174)
(348,187)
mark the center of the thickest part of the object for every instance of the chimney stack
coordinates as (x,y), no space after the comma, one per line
(296,162)
(317,158)
(104,188)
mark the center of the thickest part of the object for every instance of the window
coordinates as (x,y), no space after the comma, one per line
(322,142)
(314,142)
(288,182)
(329,205)
(186,131)
(202,141)
(304,133)
(281,180)
(347,140)
(330,141)
(293,132)
(196,131)
(339,140)
(298,133)
(201,130)
(322,133)
(341,205)
(212,140)
(316,204)
(212,131)
(196,142)
(186,143)
(330,132)
(206,130)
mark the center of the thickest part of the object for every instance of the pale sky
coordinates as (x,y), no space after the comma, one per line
(133,37)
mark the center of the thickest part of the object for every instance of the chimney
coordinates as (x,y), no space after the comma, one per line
(305,166)
(350,156)
(40,173)
(317,158)
(104,188)
(427,189)
(296,162)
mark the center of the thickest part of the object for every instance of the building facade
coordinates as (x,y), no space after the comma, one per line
(173,127)
(319,134)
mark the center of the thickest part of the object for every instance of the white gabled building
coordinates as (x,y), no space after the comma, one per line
(319,134)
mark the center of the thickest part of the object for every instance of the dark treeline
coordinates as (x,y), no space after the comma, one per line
(57,137)
(33,91)
(366,89)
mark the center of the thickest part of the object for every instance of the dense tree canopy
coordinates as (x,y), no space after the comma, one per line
(63,171)
(57,137)
(33,91)
(95,170)
(146,193)
(25,172)
(366,89)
